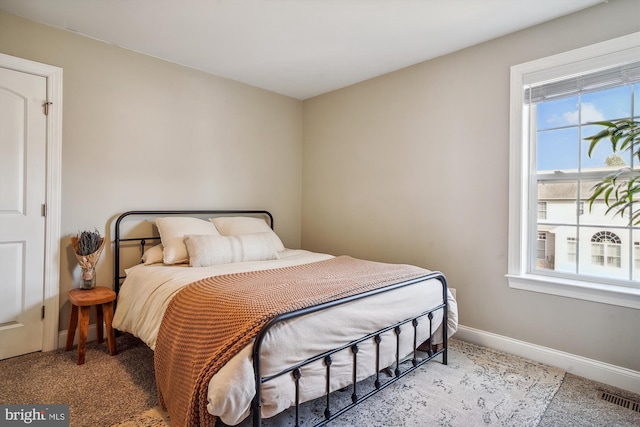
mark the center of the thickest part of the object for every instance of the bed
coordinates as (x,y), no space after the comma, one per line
(311,323)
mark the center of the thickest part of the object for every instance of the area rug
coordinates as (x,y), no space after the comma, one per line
(479,386)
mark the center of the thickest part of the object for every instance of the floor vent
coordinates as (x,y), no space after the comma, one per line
(620,401)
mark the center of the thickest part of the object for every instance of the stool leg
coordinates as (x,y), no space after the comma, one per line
(99,323)
(111,336)
(82,336)
(73,323)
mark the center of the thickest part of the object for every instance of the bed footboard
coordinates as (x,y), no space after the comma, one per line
(416,359)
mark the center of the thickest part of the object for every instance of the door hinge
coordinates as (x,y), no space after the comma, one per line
(43,312)
(44,210)
(46,107)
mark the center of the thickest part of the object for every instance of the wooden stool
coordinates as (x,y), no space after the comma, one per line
(103,299)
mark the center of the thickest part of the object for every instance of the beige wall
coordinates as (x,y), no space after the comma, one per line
(413,167)
(141,133)
(409,167)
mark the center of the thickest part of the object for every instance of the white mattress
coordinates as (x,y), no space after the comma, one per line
(147,291)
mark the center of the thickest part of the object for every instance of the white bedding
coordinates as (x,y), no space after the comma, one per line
(147,291)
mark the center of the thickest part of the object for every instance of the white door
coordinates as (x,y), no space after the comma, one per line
(22,223)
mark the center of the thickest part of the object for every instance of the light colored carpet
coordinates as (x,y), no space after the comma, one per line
(578,399)
(479,386)
(103,391)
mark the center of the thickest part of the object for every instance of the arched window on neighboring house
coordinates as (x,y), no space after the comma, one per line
(606,248)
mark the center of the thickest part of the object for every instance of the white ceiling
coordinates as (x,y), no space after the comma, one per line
(299,48)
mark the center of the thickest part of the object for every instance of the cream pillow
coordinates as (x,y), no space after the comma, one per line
(172,231)
(213,250)
(239,225)
(153,255)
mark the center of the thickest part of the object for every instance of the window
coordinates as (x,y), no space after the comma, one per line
(542,210)
(605,249)
(559,115)
(567,248)
(542,246)
(571,249)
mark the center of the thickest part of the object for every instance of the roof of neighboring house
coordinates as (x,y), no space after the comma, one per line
(564,190)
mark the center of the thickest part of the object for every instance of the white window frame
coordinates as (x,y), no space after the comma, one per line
(601,55)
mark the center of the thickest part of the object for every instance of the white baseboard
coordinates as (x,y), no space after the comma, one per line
(606,373)
(92,335)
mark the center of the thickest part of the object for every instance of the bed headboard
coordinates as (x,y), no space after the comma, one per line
(140,241)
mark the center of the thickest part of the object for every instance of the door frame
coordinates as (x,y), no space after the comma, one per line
(51,292)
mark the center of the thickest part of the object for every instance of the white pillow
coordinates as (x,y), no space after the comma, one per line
(172,231)
(239,225)
(153,255)
(213,250)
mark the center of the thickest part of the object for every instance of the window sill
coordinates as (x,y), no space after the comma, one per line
(605,294)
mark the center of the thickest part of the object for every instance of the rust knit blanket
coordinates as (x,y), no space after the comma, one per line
(211,320)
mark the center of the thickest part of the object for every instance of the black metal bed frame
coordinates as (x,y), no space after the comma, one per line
(418,358)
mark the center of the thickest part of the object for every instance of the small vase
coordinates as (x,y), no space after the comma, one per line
(88,278)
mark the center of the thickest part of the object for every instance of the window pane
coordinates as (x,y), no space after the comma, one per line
(541,251)
(636,100)
(542,210)
(561,201)
(557,149)
(603,156)
(597,253)
(596,213)
(565,249)
(557,113)
(572,249)
(609,252)
(545,249)
(636,254)
(613,255)
(609,104)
